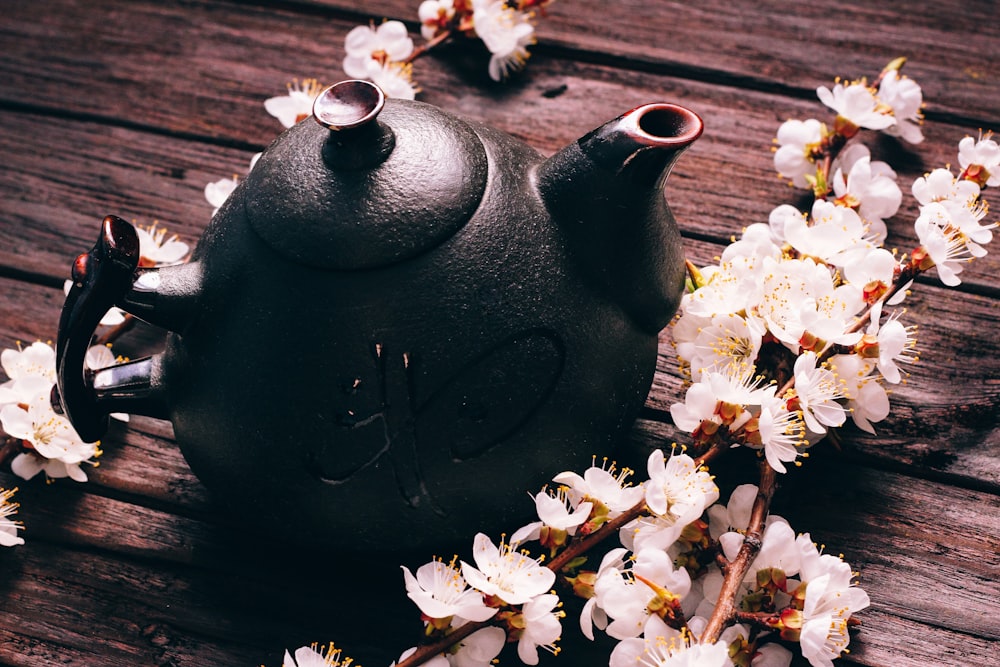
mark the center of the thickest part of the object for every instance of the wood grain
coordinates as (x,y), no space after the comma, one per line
(777,46)
(133,107)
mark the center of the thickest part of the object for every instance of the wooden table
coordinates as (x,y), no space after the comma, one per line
(133,107)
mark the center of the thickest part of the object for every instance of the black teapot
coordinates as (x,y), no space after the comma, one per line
(400,323)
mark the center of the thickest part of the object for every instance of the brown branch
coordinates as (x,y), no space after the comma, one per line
(725,608)
(439,38)
(717,447)
(577,547)
(760,619)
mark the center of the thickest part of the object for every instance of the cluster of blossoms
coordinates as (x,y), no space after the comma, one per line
(791,331)
(36,439)
(384,54)
(655,594)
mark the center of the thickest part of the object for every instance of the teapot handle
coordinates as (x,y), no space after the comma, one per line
(101,278)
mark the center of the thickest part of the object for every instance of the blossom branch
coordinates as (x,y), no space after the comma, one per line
(424,48)
(581,546)
(428,651)
(735,571)
(575,549)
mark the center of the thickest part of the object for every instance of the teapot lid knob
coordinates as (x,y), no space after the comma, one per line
(348,104)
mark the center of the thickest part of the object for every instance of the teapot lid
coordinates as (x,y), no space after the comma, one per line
(372,182)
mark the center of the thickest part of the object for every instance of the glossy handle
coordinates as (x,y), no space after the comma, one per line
(101,277)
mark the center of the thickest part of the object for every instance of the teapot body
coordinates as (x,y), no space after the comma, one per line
(410,404)
(391,334)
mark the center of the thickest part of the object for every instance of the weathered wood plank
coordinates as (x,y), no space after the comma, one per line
(774,45)
(57,186)
(53,199)
(926,552)
(95,608)
(230,59)
(137,568)
(909,551)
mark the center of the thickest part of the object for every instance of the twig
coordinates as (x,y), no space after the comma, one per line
(424,48)
(725,608)
(577,547)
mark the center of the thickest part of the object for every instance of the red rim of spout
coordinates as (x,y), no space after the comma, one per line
(663,124)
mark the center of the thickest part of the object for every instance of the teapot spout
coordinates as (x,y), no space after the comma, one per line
(605,192)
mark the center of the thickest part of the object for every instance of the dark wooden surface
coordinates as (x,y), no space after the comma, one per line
(131,107)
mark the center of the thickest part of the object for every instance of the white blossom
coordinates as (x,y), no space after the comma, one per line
(316,656)
(797,140)
(434,15)
(217,192)
(782,432)
(771,655)
(8,526)
(605,485)
(871,189)
(437,661)
(867,400)
(831,235)
(817,391)
(945,245)
(953,202)
(727,340)
(479,649)
(627,596)
(506,33)
(830,600)
(666,647)
(389,42)
(98,357)
(758,240)
(58,450)
(800,295)
(981,156)
(440,591)
(395,79)
(699,406)
(730,287)
(873,272)
(905,100)
(289,109)
(157,249)
(31,371)
(506,573)
(940,185)
(677,493)
(560,511)
(857,104)
(542,627)
(593,613)
(735,515)
(777,219)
